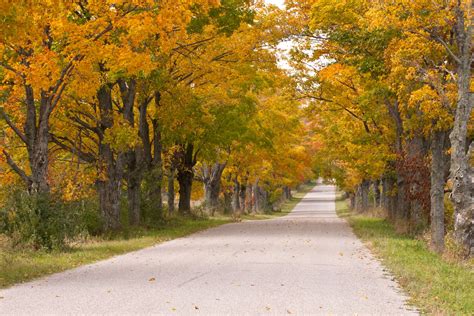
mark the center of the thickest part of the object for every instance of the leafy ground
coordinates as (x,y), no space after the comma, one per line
(435,285)
(20,265)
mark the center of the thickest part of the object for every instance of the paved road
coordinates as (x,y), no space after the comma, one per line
(308,262)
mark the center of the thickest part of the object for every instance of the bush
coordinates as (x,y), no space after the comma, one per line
(40,221)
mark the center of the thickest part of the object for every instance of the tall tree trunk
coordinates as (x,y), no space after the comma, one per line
(236,196)
(352,199)
(110,165)
(109,199)
(377,194)
(437,190)
(262,200)
(185,178)
(133,189)
(171,193)
(362,197)
(242,196)
(35,136)
(133,167)
(212,185)
(156,170)
(151,156)
(254,200)
(460,154)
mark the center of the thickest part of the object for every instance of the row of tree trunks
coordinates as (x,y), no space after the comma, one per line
(246,198)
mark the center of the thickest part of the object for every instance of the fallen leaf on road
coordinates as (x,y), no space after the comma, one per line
(195,307)
(288,311)
(151,280)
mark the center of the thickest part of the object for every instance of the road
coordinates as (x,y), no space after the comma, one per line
(308,262)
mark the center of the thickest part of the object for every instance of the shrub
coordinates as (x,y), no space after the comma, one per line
(39,221)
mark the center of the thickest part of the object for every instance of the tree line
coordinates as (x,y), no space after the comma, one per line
(389,88)
(119,102)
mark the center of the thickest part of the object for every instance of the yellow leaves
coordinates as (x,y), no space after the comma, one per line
(436,115)
(122,136)
(326,13)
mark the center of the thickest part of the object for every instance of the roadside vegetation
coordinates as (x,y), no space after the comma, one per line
(437,285)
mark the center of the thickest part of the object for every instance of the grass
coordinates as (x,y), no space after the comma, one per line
(435,285)
(21,265)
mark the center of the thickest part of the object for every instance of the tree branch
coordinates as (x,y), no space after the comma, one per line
(13,126)
(17,169)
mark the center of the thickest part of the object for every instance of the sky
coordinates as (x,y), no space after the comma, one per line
(279,3)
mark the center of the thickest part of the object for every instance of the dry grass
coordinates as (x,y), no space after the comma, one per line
(440,285)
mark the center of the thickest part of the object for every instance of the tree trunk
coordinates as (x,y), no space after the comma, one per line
(243,196)
(109,202)
(390,198)
(460,169)
(35,136)
(227,201)
(133,189)
(171,193)
(362,197)
(286,193)
(352,199)
(155,172)
(437,190)
(212,185)
(236,197)
(185,178)
(133,167)
(262,200)
(39,162)
(377,194)
(110,166)
(151,156)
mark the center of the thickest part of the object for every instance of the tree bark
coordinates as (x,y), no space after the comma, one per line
(242,196)
(151,156)
(438,167)
(133,189)
(171,193)
(212,185)
(35,136)
(377,194)
(362,197)
(110,165)
(236,196)
(133,167)
(460,169)
(187,161)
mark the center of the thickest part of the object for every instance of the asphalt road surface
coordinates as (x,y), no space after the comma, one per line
(306,263)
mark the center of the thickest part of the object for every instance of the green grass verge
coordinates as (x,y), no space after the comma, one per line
(434,285)
(23,265)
